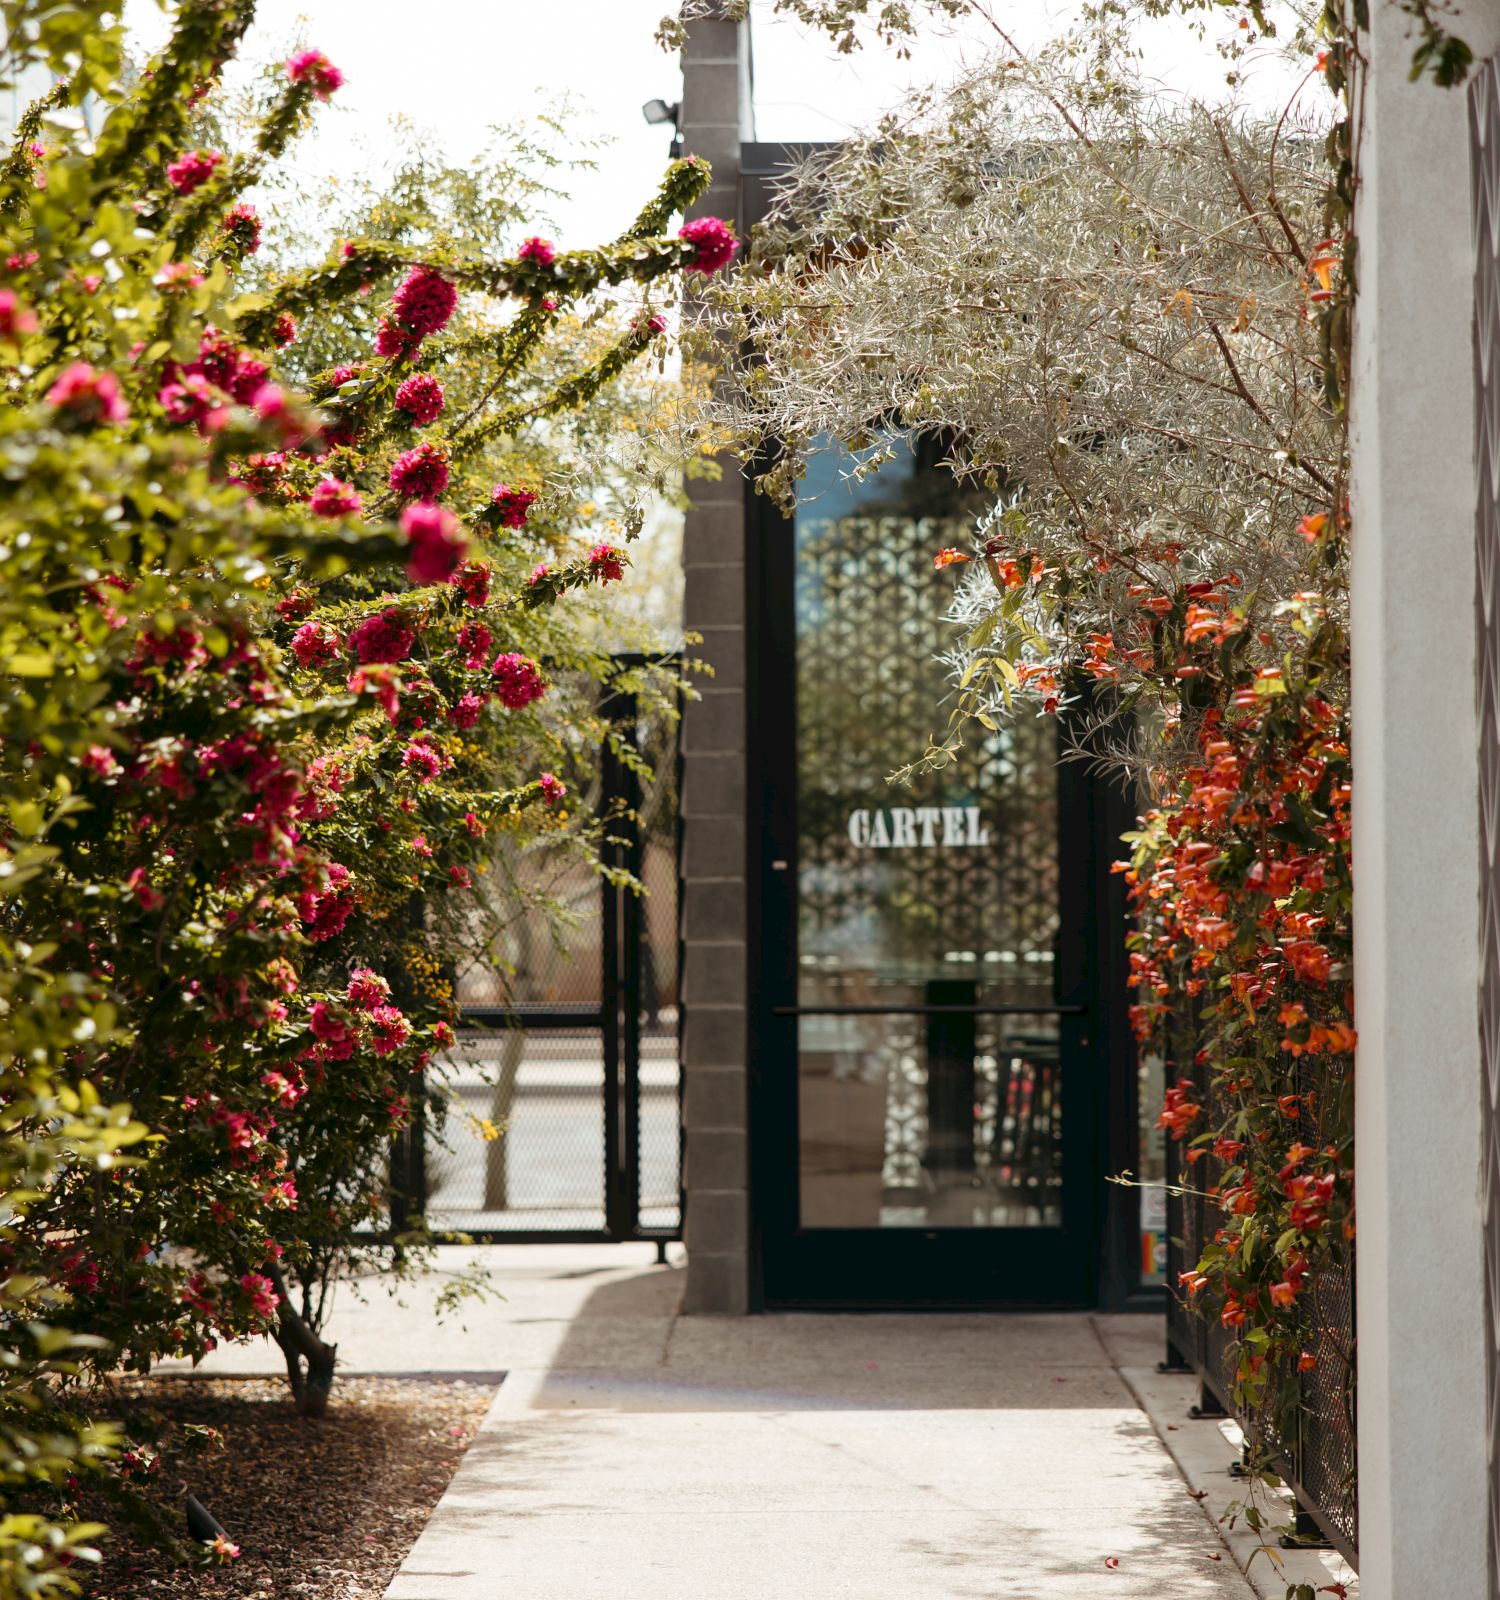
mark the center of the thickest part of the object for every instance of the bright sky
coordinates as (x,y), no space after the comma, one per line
(458,66)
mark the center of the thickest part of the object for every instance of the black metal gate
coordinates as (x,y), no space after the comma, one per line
(558,1114)
(1316,1449)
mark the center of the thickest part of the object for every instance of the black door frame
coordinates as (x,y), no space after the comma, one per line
(931,1268)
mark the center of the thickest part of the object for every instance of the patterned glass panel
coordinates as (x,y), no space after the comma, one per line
(941,894)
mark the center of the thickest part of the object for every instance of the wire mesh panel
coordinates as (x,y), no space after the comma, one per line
(557,1113)
(1320,1459)
(520,1143)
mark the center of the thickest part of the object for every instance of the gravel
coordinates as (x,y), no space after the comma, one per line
(324,1508)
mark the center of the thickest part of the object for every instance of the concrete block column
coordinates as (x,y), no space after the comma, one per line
(1422,1406)
(716,120)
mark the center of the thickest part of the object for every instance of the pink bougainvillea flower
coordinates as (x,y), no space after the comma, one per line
(333,498)
(335,1038)
(472,642)
(392,340)
(949,557)
(387,636)
(178,275)
(605,561)
(263,1298)
(382,684)
(248,379)
(15,319)
(316,644)
(538,574)
(419,474)
(367,988)
(392,1030)
(537,250)
(87,396)
(193,399)
(420,847)
(314,68)
(264,474)
(464,712)
(325,911)
(553,788)
(192,169)
(242,224)
(99,760)
(459,878)
(472,580)
(424,301)
(272,404)
(286,1091)
(420,758)
(435,540)
(713,241)
(147,898)
(518,680)
(421,397)
(514,504)
(284,330)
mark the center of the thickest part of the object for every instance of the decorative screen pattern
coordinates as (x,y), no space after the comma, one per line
(955,876)
(918,905)
(1484,166)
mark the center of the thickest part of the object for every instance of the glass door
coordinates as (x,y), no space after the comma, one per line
(926,1114)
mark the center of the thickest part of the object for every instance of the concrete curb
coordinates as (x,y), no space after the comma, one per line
(1204,1449)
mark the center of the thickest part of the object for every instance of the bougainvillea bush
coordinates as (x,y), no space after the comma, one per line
(273,653)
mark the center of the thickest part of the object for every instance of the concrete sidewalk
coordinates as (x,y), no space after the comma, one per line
(634,1454)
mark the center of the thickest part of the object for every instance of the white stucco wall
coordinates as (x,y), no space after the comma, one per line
(1422,1405)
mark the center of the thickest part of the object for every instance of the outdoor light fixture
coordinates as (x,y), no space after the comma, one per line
(657,112)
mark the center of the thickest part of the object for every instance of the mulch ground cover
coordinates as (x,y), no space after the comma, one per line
(325,1508)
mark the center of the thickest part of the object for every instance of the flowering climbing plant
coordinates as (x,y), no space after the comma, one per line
(277,656)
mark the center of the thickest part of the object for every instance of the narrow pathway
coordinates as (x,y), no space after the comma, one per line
(633,1454)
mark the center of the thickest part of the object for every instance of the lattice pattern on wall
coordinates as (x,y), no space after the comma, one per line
(1484,124)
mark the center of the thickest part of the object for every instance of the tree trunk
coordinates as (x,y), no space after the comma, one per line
(502,1103)
(512,1049)
(309,1361)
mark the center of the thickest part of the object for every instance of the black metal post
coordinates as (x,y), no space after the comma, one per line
(611,787)
(632,917)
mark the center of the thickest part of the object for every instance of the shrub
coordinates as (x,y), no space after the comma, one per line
(212,886)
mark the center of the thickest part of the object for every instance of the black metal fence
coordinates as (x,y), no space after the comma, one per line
(560,1109)
(1316,1453)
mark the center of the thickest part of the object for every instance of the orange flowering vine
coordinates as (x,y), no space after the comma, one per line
(1240,963)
